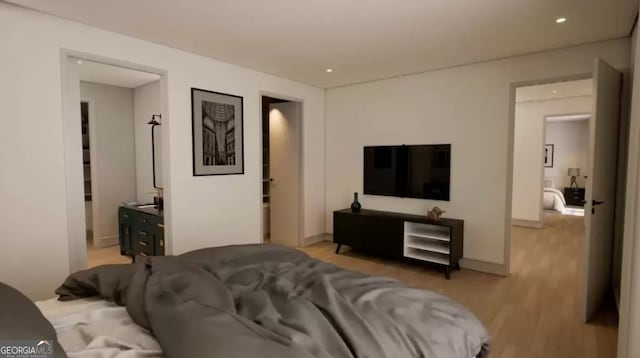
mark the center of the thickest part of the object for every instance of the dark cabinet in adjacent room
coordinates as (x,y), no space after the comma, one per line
(141,231)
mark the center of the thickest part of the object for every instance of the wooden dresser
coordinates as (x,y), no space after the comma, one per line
(141,231)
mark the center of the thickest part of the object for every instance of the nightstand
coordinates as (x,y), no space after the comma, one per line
(574,196)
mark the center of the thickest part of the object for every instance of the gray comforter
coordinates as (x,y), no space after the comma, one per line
(21,321)
(273,302)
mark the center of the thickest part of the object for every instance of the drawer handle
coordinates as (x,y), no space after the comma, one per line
(143,254)
(142,243)
(143,233)
(126,216)
(161,225)
(142,220)
(162,243)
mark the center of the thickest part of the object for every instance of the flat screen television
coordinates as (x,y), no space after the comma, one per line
(408,171)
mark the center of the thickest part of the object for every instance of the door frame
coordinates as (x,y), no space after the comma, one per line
(574,117)
(93,167)
(510,147)
(72,139)
(300,134)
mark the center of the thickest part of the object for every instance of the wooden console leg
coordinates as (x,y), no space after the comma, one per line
(447,273)
(338,248)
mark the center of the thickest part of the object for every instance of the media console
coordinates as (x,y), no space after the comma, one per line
(407,237)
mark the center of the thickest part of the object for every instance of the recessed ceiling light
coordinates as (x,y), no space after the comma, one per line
(554,91)
(329,70)
(79,62)
(561,20)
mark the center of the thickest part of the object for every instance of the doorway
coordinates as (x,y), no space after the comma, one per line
(551,148)
(552,186)
(281,179)
(108,152)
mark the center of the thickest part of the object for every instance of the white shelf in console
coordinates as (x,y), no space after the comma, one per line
(427,242)
(432,235)
(426,256)
(428,245)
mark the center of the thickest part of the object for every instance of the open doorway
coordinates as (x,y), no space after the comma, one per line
(120,154)
(281,171)
(551,148)
(564,194)
(565,164)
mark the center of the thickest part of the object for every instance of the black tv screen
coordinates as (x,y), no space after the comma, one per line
(408,171)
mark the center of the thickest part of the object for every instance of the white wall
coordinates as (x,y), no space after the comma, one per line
(113,163)
(201,211)
(571,147)
(528,152)
(466,106)
(147,102)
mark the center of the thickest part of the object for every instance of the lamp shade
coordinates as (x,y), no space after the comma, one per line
(574,172)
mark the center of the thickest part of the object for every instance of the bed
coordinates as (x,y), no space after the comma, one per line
(94,327)
(254,300)
(553,200)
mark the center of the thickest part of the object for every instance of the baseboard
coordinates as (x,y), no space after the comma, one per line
(484,266)
(311,240)
(105,241)
(527,223)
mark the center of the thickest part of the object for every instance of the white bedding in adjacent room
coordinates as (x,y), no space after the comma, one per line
(553,199)
(95,328)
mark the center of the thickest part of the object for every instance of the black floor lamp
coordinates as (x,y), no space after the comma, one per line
(154,122)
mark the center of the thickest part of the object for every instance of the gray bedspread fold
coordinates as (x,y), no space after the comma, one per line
(271,301)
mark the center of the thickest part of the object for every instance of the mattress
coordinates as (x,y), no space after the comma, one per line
(96,328)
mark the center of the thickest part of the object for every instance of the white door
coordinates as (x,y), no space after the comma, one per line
(601,187)
(284,166)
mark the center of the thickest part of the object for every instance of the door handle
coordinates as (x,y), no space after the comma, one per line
(596,202)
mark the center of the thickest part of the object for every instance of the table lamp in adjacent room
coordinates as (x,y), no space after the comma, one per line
(574,173)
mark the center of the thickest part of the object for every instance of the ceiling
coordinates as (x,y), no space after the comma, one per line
(554,91)
(113,75)
(361,40)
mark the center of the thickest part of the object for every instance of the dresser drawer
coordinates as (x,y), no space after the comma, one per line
(141,233)
(146,220)
(143,247)
(574,196)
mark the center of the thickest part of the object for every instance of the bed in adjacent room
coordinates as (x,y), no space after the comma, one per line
(553,200)
(255,300)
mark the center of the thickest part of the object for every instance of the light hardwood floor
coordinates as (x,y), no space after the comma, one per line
(97,256)
(535,312)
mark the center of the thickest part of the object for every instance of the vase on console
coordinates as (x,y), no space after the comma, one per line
(355,206)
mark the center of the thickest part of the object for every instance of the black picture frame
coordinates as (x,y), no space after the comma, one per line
(548,155)
(207,165)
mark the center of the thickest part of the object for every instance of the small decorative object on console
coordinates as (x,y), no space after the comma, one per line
(355,206)
(435,213)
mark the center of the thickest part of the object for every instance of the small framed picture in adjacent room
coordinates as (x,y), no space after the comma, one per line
(548,155)
(218,147)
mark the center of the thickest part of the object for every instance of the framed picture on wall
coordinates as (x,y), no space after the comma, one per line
(218,147)
(548,155)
